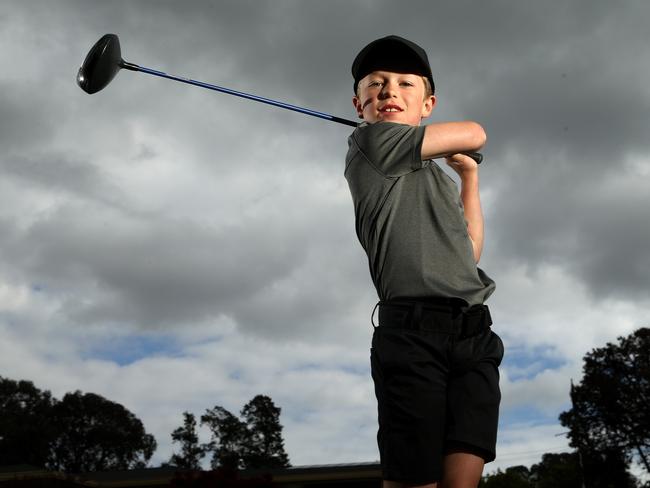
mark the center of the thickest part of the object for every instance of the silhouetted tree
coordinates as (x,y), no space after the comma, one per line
(96,434)
(606,469)
(191,450)
(264,447)
(26,429)
(565,470)
(254,442)
(610,420)
(557,471)
(229,436)
(514,477)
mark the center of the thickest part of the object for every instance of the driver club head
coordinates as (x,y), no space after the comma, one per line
(101,65)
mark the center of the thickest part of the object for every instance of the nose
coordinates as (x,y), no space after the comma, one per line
(387,91)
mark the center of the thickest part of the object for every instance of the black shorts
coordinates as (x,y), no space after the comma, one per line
(437,390)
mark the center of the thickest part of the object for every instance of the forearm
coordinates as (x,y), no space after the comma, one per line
(470,197)
(441,139)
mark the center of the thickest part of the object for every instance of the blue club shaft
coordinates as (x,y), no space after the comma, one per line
(269,101)
(478,157)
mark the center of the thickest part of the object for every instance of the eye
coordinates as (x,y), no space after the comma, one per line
(407,83)
(375,83)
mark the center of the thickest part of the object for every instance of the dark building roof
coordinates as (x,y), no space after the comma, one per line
(360,475)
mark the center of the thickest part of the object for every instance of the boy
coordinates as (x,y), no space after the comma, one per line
(434,357)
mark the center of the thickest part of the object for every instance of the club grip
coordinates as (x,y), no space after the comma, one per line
(476,156)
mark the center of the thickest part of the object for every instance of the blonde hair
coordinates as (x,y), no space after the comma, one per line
(428,91)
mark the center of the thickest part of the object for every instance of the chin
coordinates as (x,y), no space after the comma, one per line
(397,119)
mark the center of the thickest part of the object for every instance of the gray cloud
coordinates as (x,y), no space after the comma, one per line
(118,269)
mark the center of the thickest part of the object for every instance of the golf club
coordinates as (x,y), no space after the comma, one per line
(104,60)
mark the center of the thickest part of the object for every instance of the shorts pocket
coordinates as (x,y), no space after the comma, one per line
(484,347)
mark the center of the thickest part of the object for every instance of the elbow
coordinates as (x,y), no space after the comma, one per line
(478,136)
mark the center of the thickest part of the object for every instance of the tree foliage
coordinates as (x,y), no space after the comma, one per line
(561,470)
(96,434)
(26,430)
(252,442)
(265,447)
(82,432)
(553,471)
(229,437)
(610,417)
(564,470)
(606,469)
(191,450)
(514,477)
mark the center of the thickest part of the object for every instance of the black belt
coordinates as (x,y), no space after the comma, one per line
(440,315)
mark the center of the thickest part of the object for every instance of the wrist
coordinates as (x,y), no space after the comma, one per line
(469,175)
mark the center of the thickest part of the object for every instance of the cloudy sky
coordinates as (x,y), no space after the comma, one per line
(172,248)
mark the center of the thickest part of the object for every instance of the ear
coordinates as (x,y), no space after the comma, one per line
(427,106)
(358,106)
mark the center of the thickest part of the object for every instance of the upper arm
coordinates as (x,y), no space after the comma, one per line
(392,149)
(441,139)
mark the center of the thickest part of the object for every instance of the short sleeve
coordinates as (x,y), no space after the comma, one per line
(392,149)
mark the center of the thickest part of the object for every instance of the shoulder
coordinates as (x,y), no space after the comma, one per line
(392,149)
(387,137)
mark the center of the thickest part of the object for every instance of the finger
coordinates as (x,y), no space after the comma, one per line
(462,159)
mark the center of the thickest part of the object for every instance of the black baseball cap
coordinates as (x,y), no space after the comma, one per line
(391,53)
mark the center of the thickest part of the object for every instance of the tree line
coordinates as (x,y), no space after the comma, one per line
(85,432)
(567,470)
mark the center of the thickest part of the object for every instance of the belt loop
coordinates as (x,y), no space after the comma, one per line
(475,320)
(372,315)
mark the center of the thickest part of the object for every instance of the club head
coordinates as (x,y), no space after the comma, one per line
(101,65)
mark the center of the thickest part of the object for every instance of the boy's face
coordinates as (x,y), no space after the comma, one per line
(393,97)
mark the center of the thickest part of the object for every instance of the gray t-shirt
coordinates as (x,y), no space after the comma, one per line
(409,218)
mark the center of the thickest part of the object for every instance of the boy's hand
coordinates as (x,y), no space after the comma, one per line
(462,164)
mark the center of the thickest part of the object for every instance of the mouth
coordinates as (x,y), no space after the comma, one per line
(390,109)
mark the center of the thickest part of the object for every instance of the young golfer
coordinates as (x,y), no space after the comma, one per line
(434,357)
